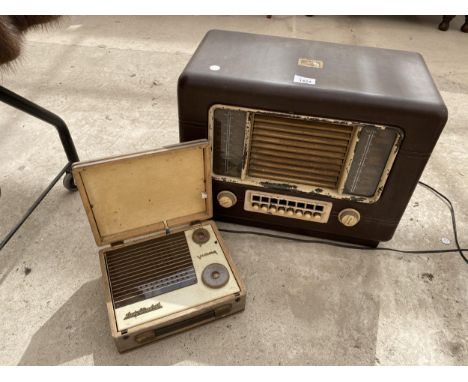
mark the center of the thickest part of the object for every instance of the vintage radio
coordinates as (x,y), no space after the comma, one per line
(311,137)
(166,268)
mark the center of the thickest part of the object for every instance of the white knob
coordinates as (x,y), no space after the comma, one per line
(349,217)
(226,199)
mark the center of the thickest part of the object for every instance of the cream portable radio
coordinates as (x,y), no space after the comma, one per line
(166,268)
(311,137)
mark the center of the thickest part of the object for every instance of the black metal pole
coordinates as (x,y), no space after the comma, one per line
(33,207)
(26,106)
(21,103)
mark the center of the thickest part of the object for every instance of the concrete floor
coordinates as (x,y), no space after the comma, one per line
(113,80)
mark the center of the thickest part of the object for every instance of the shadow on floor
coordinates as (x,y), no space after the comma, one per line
(323,323)
(77,329)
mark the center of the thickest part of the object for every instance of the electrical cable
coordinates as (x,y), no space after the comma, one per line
(355,246)
(452,213)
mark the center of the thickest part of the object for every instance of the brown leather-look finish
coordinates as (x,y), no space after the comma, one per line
(364,84)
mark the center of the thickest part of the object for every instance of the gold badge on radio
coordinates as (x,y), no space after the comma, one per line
(310,63)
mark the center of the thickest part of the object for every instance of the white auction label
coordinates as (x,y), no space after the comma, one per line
(304,80)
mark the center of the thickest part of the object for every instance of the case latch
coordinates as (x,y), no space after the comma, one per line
(166,228)
(196,223)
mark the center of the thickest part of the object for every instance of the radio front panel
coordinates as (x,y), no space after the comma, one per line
(335,158)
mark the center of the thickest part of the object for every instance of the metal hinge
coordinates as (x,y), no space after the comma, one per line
(196,222)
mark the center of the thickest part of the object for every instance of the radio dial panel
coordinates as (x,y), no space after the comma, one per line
(330,157)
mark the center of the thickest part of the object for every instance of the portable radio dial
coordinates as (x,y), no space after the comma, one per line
(226,199)
(215,275)
(349,217)
(200,236)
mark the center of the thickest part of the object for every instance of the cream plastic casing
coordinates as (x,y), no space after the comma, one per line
(187,297)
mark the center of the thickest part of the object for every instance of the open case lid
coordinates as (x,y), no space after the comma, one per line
(137,194)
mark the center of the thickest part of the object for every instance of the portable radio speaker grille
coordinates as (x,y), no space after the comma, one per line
(144,270)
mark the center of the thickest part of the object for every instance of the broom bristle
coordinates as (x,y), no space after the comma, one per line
(12,29)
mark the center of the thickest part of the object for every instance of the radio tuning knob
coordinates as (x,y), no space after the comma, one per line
(226,199)
(349,217)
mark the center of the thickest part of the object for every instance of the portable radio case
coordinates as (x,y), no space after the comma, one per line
(269,98)
(165,267)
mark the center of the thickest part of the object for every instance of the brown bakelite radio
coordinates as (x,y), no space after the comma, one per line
(310,137)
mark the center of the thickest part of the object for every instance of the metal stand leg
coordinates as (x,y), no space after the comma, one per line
(20,103)
(33,207)
(445,23)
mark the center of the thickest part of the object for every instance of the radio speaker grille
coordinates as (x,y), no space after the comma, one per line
(298,151)
(148,269)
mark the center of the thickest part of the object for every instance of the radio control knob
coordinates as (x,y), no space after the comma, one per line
(272,209)
(299,214)
(290,212)
(307,215)
(349,217)
(264,208)
(256,207)
(281,211)
(317,215)
(226,199)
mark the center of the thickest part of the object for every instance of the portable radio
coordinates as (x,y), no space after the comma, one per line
(165,267)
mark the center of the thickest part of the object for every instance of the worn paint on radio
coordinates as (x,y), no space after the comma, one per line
(310,189)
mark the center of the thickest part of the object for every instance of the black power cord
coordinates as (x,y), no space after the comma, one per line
(452,213)
(353,246)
